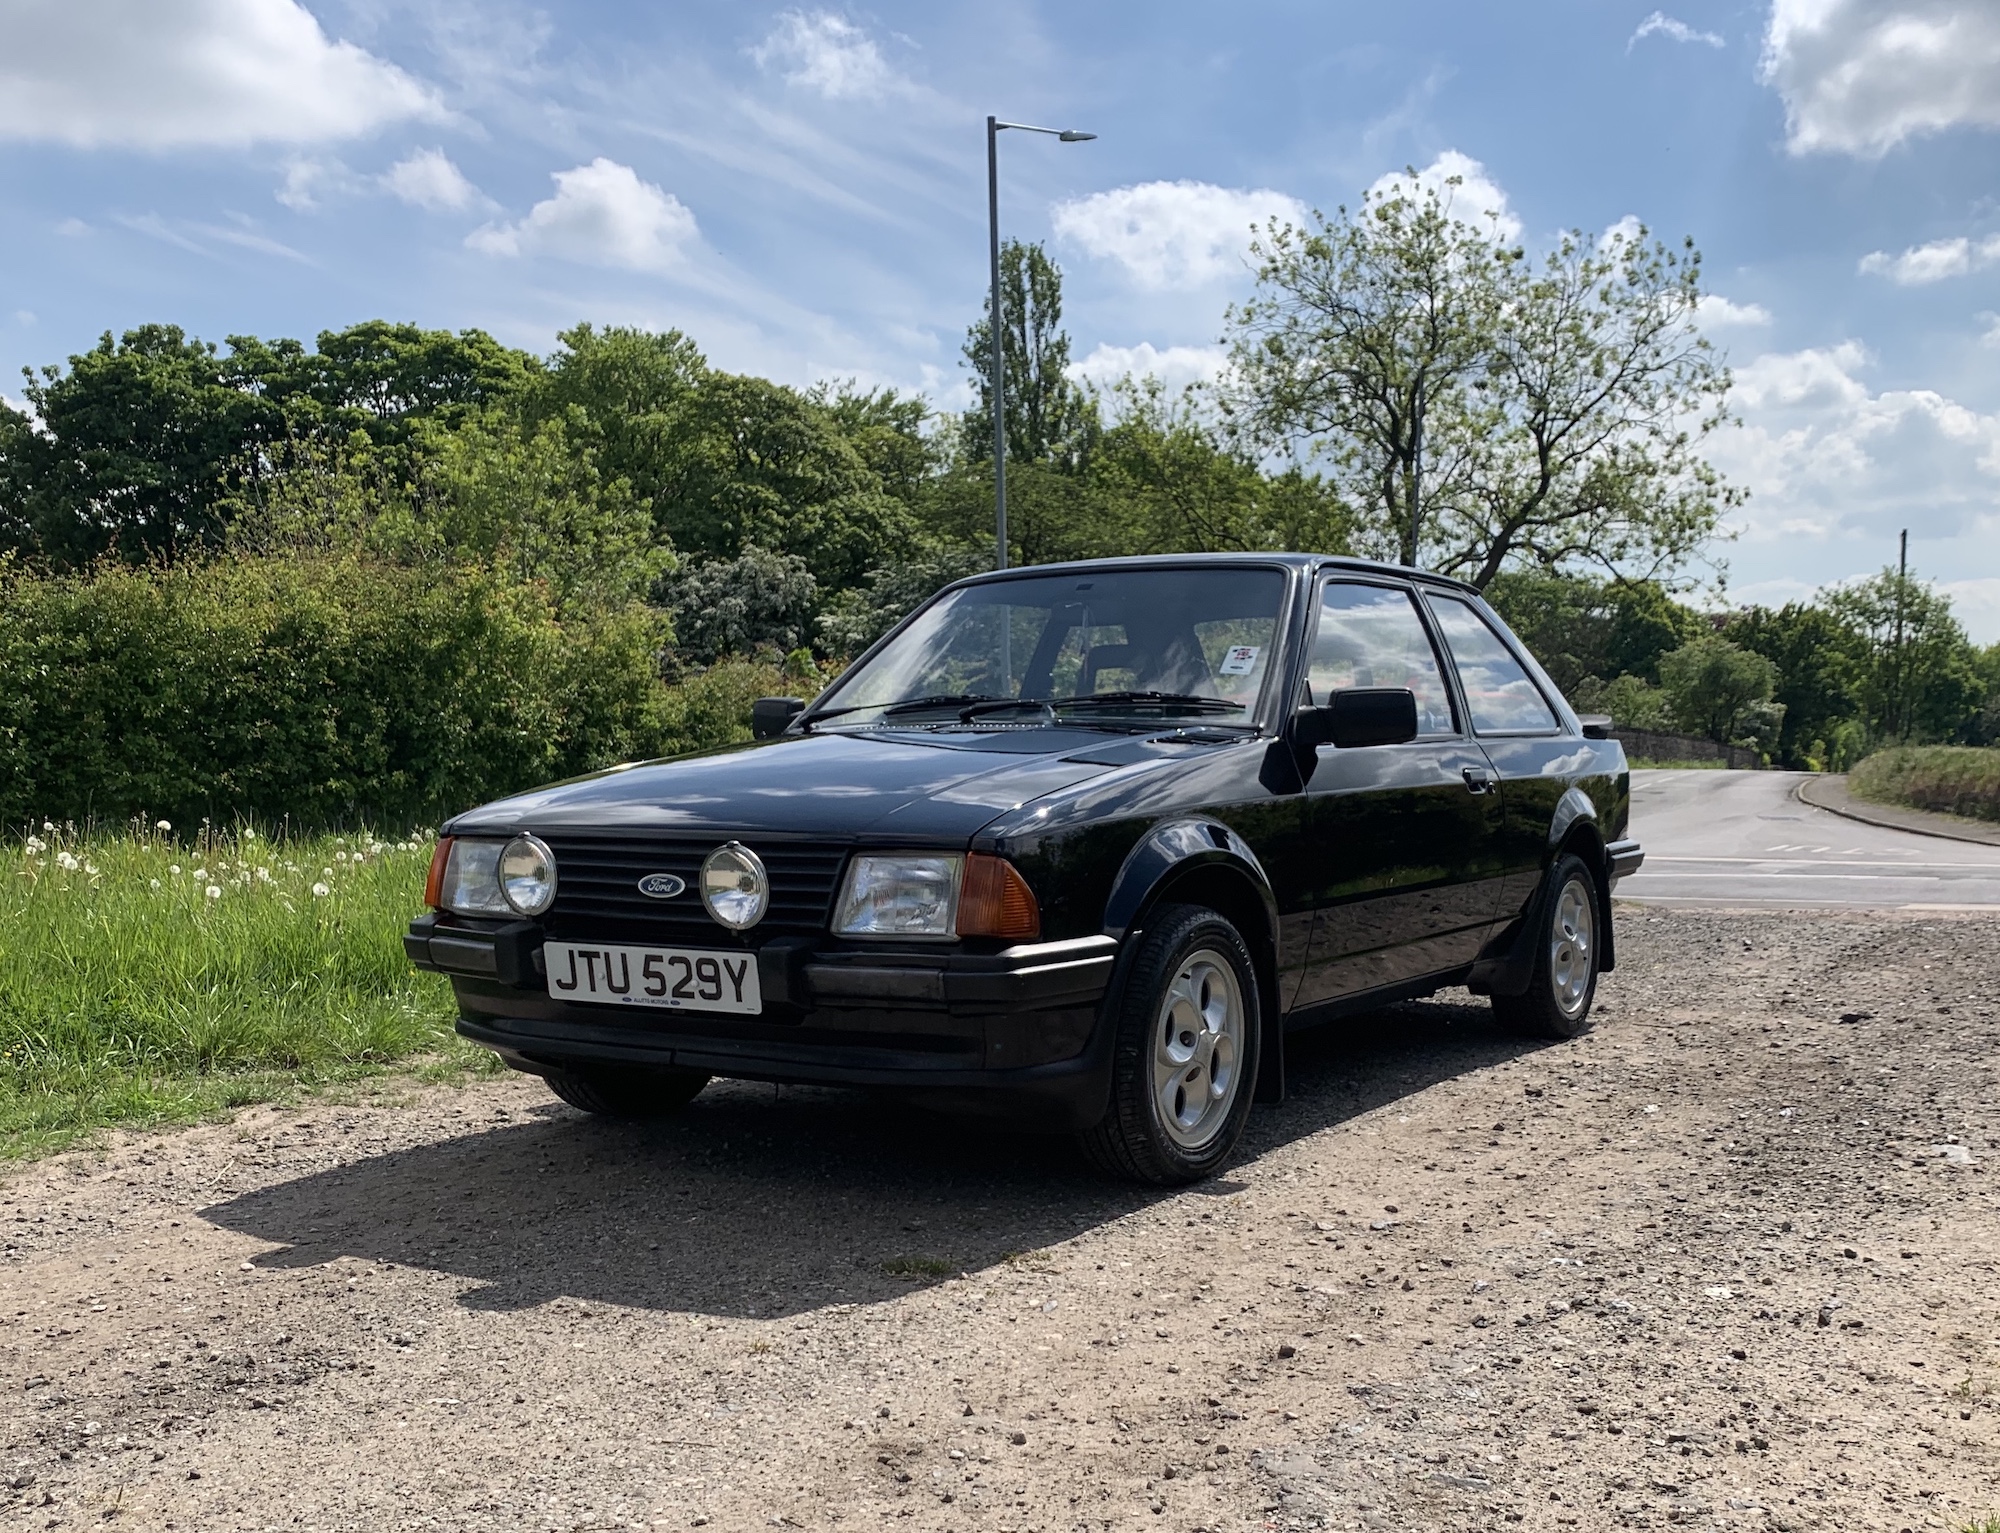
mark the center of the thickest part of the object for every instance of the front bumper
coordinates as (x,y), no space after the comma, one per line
(955,1026)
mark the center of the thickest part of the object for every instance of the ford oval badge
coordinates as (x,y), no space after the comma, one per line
(661,886)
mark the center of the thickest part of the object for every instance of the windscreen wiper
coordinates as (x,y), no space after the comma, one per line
(910,705)
(1003,705)
(1174,702)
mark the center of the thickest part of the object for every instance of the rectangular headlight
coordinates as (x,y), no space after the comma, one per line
(471,883)
(900,896)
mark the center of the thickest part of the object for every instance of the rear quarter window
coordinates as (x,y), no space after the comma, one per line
(1499,694)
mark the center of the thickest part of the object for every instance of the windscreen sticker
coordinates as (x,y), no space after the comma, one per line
(1240,661)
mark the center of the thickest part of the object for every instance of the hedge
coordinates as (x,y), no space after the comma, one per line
(318,691)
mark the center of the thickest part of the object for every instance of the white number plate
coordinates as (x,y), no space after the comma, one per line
(681,979)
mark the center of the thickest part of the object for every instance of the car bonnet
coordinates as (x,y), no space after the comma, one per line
(840,785)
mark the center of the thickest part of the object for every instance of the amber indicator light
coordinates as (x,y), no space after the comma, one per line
(434,883)
(995,901)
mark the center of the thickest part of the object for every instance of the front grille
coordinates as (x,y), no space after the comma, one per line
(598,898)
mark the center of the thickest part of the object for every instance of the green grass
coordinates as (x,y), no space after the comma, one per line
(1947,779)
(147,979)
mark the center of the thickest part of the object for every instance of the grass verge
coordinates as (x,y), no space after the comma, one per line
(146,979)
(1946,779)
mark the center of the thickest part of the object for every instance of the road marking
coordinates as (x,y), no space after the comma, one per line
(1807,862)
(1822,878)
(1725,901)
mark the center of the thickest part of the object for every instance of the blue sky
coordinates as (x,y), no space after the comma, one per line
(802,190)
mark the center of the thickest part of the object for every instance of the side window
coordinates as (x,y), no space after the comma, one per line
(1371,636)
(1498,693)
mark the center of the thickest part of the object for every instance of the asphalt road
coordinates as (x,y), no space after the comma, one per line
(1741,838)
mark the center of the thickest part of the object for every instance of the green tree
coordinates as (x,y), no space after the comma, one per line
(1820,661)
(758,464)
(627,394)
(888,430)
(1172,483)
(1713,686)
(1919,677)
(1585,630)
(133,451)
(381,378)
(1559,407)
(1049,419)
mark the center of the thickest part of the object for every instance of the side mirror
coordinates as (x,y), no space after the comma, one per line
(1372,716)
(769,716)
(1596,726)
(1355,717)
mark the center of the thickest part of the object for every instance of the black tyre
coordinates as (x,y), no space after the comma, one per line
(1184,1061)
(628,1093)
(1563,981)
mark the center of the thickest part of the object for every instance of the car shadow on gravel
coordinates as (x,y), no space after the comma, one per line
(759,1201)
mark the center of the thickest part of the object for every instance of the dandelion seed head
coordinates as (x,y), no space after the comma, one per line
(67,862)
(163,825)
(174,868)
(215,891)
(320,891)
(152,883)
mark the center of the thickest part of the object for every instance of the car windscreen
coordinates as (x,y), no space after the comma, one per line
(1097,644)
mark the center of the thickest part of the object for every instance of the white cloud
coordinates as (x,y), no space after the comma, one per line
(158,74)
(1991,335)
(602,215)
(1933,262)
(1660,24)
(827,53)
(1174,366)
(309,179)
(1477,198)
(1717,312)
(1825,456)
(1172,234)
(1976,604)
(1861,76)
(427,179)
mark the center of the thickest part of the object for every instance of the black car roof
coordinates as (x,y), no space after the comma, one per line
(1286,560)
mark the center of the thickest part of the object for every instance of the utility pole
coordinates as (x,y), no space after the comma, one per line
(1902,672)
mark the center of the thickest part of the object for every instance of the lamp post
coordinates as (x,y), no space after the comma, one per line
(996,364)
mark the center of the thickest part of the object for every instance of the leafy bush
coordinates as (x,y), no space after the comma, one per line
(757,601)
(319,690)
(1948,779)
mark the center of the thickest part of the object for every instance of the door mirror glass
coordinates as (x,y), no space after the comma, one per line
(1359,716)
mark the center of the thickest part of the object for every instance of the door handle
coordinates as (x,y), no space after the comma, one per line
(1478,780)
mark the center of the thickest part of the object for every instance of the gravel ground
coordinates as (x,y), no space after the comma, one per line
(1729,1261)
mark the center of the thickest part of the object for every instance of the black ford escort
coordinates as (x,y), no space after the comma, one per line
(1077,842)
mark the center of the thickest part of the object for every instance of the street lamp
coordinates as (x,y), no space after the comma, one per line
(996,357)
